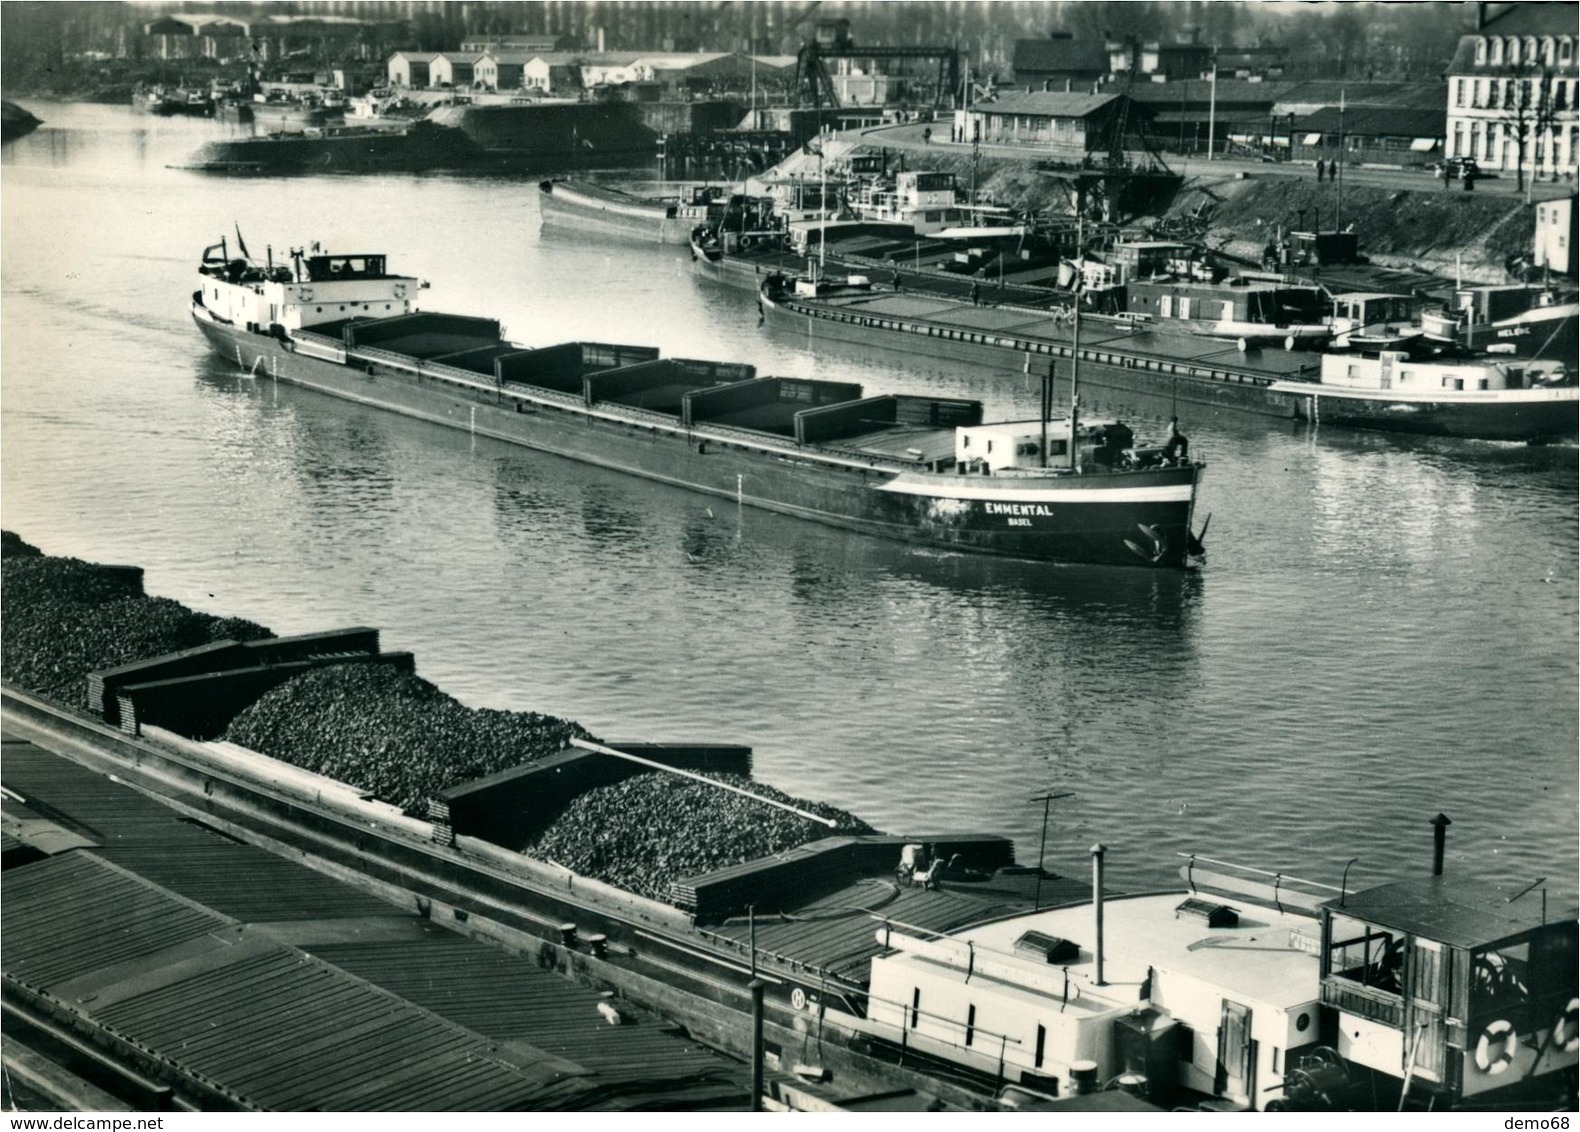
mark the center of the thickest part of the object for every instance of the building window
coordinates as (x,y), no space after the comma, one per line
(1497,51)
(1566,49)
(1459,92)
(1481,51)
(1454,383)
(1042,1042)
(1459,140)
(1353,370)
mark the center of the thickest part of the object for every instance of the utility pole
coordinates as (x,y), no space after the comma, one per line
(1212,106)
(1338,218)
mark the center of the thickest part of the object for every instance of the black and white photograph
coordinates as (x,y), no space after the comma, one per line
(725,556)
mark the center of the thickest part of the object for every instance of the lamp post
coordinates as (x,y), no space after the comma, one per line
(1046,800)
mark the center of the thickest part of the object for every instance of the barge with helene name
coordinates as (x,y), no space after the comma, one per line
(1132,356)
(916,469)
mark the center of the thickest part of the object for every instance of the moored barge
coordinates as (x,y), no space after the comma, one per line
(594,208)
(1116,354)
(916,469)
(1448,394)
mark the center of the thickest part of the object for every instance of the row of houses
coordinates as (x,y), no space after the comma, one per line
(550,72)
(1509,100)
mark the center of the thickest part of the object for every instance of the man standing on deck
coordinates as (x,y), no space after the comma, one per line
(1177,447)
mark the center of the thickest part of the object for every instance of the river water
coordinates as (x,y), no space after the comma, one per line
(1386,627)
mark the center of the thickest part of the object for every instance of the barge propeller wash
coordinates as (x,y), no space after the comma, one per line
(918,469)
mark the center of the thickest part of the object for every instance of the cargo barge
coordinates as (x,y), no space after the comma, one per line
(593,208)
(1241,989)
(1117,354)
(1450,394)
(922,470)
(1501,400)
(405,147)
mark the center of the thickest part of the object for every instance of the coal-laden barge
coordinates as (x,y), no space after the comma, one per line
(934,958)
(921,470)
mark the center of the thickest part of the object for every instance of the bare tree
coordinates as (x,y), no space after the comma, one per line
(1528,111)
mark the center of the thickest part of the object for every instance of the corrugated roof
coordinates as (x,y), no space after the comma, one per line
(1376,122)
(74,914)
(334,1000)
(510,998)
(290,1033)
(1048,104)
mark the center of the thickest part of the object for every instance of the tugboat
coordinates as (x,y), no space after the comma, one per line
(923,470)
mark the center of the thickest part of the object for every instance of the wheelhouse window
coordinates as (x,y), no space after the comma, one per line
(1366,955)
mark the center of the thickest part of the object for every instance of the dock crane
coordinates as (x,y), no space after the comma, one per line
(814,86)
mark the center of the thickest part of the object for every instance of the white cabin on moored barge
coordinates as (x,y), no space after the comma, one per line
(1251,994)
(310,290)
(1402,373)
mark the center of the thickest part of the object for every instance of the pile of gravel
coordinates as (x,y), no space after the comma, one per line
(65,618)
(651,829)
(393,734)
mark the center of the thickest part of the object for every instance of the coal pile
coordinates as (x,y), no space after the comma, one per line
(65,618)
(12,546)
(391,733)
(650,830)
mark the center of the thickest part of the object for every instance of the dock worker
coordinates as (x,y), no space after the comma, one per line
(975,291)
(1178,445)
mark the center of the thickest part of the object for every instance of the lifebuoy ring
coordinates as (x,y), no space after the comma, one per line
(798,998)
(747,243)
(305,294)
(1496,1048)
(400,290)
(1566,1031)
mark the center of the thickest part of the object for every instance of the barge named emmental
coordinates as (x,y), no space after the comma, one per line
(918,469)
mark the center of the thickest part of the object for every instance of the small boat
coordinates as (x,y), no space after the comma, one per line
(1372,320)
(15,122)
(272,111)
(923,470)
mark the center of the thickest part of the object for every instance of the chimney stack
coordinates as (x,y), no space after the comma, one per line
(1097,852)
(1440,826)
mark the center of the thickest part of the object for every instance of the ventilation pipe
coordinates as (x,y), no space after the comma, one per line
(1097,852)
(1440,826)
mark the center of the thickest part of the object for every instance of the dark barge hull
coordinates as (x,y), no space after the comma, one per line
(572,208)
(1137,518)
(1528,419)
(1230,388)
